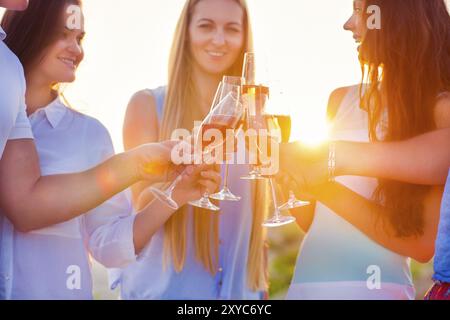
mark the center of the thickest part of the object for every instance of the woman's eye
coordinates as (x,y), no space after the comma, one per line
(205,26)
(234,30)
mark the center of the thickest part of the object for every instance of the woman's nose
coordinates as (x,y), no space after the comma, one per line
(219,38)
(348,25)
(76,48)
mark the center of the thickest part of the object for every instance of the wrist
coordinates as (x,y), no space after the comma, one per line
(180,197)
(340,159)
(131,164)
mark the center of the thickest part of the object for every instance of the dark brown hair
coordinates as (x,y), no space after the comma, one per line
(31,31)
(412,49)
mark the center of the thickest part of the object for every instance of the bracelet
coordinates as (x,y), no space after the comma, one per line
(331,162)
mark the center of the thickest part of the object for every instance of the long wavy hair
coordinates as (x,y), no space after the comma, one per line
(180,111)
(406,64)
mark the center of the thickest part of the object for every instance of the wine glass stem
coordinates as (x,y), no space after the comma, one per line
(274,198)
(225,181)
(174,184)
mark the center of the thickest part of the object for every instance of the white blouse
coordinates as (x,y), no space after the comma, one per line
(53,263)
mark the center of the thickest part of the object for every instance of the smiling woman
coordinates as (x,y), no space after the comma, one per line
(51,40)
(199,254)
(218,54)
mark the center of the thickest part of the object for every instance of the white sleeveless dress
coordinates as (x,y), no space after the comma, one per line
(338,261)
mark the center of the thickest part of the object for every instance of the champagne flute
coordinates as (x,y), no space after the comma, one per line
(283,121)
(225,115)
(277,219)
(165,196)
(228,82)
(254,98)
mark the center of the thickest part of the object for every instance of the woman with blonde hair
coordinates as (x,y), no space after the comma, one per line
(199,254)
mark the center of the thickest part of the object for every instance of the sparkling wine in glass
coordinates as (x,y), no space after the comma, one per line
(225,116)
(222,117)
(277,219)
(254,98)
(283,121)
(228,82)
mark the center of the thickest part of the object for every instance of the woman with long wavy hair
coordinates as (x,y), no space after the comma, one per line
(363,231)
(199,254)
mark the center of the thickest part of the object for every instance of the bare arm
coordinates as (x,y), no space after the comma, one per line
(424,159)
(366,216)
(417,157)
(140,126)
(33,202)
(156,213)
(116,236)
(421,160)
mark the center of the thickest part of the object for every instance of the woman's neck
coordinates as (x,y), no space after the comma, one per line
(206,86)
(39,94)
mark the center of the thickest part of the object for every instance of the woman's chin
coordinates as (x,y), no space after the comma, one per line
(216,71)
(66,80)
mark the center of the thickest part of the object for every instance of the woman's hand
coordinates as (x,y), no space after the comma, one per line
(195,182)
(306,165)
(153,162)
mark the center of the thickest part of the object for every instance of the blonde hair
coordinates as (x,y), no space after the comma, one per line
(181,95)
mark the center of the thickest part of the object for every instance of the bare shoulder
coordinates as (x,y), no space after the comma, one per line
(442,111)
(142,102)
(335,100)
(141,120)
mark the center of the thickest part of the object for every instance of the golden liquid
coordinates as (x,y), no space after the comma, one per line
(155,168)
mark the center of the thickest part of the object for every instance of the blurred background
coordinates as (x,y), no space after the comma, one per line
(303,48)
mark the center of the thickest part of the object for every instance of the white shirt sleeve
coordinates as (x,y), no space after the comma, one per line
(14,123)
(22,127)
(109,227)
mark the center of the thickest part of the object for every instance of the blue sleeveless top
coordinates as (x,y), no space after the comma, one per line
(442,254)
(147,279)
(337,260)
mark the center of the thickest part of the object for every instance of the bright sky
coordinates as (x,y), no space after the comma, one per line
(302,43)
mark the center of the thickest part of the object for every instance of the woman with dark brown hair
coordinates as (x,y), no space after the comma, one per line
(363,230)
(52,262)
